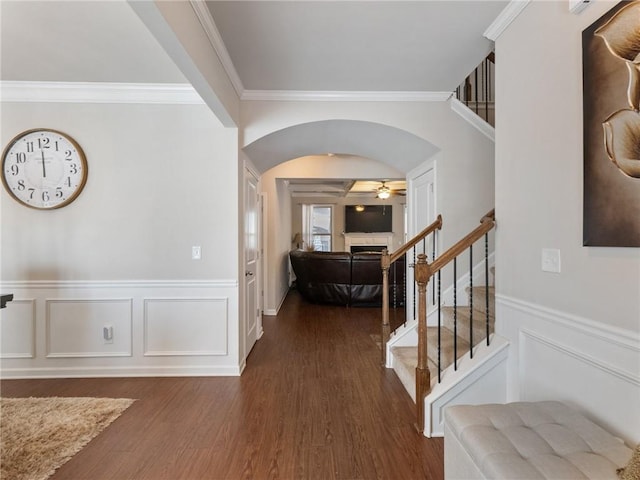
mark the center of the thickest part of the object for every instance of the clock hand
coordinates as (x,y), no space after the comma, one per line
(44,170)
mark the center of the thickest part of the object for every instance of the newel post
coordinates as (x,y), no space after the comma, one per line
(423,377)
(385,261)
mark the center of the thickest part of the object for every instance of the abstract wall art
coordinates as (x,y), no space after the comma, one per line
(611,103)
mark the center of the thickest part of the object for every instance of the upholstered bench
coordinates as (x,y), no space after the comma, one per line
(528,441)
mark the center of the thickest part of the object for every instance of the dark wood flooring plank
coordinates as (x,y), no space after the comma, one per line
(313,403)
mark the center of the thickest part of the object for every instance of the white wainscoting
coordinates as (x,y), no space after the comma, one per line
(160,328)
(592,366)
(17,332)
(74,327)
(200,329)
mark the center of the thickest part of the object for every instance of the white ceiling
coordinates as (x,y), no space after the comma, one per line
(304,45)
(355,45)
(80,41)
(394,46)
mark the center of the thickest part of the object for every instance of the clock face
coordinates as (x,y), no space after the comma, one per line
(44,169)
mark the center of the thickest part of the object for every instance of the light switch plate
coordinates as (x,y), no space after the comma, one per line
(196,253)
(551,260)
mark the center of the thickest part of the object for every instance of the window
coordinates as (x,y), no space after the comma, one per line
(317,226)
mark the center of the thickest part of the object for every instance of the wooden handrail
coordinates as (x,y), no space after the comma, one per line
(486,223)
(437,225)
(423,273)
(386,260)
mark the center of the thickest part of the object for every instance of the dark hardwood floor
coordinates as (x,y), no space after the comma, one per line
(313,403)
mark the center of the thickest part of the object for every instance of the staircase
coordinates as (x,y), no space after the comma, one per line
(460,326)
(431,354)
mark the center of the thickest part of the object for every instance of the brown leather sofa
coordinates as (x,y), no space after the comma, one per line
(342,278)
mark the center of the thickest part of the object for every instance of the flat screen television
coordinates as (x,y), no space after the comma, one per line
(374,218)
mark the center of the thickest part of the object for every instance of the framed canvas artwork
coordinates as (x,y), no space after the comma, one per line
(611,102)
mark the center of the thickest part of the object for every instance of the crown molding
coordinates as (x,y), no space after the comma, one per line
(209,25)
(95,92)
(504,19)
(346,96)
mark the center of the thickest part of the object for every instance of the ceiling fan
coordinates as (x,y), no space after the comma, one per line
(383,191)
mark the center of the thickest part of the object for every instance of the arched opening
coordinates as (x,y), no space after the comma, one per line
(331,151)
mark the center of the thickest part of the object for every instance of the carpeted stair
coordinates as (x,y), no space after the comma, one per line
(406,358)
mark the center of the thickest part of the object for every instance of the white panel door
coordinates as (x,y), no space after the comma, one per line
(251,256)
(422,205)
(423,201)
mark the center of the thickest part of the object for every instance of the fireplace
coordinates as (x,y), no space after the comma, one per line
(369,241)
(367,248)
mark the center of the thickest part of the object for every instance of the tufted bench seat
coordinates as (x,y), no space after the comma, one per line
(528,441)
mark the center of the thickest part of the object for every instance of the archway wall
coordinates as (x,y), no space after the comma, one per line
(462,157)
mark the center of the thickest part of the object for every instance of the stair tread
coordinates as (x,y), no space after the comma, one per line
(463,320)
(479,296)
(406,357)
(446,346)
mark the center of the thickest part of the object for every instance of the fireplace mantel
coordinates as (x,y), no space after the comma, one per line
(368,239)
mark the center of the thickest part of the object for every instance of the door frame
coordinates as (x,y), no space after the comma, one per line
(247,174)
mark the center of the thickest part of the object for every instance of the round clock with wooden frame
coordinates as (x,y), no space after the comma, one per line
(44,169)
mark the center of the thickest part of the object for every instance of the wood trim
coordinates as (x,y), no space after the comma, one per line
(486,224)
(437,225)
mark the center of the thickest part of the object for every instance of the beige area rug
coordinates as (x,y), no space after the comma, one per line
(38,435)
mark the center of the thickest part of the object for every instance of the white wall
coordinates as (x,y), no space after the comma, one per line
(464,175)
(162,178)
(574,335)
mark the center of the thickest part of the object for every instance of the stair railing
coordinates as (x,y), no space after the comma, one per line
(424,271)
(388,260)
(477,90)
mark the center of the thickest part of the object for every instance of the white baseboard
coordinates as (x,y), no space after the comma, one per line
(111,372)
(274,311)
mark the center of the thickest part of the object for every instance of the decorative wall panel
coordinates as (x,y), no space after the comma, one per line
(75,328)
(18,329)
(185,326)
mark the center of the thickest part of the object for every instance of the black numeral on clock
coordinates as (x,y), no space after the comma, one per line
(43,142)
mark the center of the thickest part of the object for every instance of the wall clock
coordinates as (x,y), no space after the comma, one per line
(44,168)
